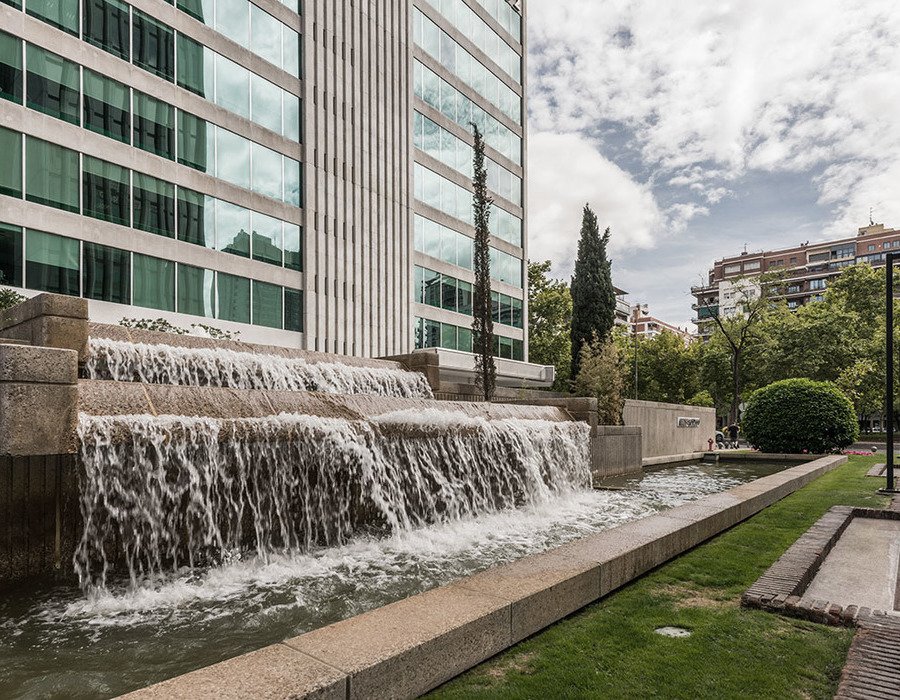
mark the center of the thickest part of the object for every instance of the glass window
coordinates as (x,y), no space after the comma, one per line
(196,218)
(52,84)
(51,175)
(51,263)
(517,315)
(232,229)
(154,205)
(448,293)
(233,20)
(267,243)
(232,86)
(154,45)
(465,298)
(495,306)
(465,251)
(107,107)
(293,310)
(233,298)
(518,350)
(11,172)
(196,140)
(196,294)
(154,125)
(432,288)
(266,35)
(448,336)
(10,255)
(11,84)
(233,158)
(293,253)
(505,347)
(464,339)
(266,171)
(505,310)
(107,274)
(106,191)
(105,24)
(201,10)
(292,181)
(267,305)
(154,282)
(291,122)
(266,103)
(196,67)
(290,60)
(431,332)
(418,289)
(62,14)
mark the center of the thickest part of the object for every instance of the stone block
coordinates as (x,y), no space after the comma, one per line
(37,419)
(49,320)
(274,672)
(411,646)
(541,589)
(99,398)
(45,305)
(38,365)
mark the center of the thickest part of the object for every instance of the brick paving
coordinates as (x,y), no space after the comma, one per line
(872,669)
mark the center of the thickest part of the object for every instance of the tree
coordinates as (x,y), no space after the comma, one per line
(593,294)
(739,332)
(9,298)
(550,323)
(601,376)
(483,323)
(668,369)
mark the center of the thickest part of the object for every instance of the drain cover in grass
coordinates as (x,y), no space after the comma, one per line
(673,632)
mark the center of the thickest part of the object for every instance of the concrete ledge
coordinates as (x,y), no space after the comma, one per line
(49,320)
(672,459)
(412,646)
(615,451)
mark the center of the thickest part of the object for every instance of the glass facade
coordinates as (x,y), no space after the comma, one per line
(11,84)
(64,265)
(451,199)
(446,292)
(455,248)
(442,96)
(439,143)
(482,35)
(433,334)
(62,178)
(506,16)
(459,62)
(107,106)
(52,84)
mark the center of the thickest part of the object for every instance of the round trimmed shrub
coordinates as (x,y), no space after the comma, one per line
(800,415)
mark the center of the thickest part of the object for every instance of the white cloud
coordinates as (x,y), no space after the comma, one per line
(566,171)
(711,91)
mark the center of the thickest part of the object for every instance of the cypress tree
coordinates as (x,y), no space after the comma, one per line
(483,323)
(593,294)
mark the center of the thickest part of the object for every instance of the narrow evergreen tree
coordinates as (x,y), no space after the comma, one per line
(483,323)
(593,294)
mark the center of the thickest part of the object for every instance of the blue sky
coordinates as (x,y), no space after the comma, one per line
(696,128)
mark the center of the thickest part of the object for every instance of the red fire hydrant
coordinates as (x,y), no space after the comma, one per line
(710,444)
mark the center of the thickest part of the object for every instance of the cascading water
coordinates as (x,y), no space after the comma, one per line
(160,493)
(168,364)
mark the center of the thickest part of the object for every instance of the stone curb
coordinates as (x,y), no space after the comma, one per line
(411,646)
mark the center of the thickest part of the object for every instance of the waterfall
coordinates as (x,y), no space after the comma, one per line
(162,493)
(168,364)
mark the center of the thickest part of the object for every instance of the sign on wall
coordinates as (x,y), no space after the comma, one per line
(684,422)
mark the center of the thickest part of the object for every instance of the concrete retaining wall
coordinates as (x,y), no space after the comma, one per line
(615,451)
(49,320)
(409,647)
(659,423)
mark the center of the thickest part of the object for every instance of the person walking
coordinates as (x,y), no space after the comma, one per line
(733,436)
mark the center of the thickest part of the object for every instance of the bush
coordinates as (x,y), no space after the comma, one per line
(800,415)
(9,298)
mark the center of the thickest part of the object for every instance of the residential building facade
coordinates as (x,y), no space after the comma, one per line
(805,272)
(642,324)
(297,172)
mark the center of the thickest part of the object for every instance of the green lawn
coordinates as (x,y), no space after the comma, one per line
(610,650)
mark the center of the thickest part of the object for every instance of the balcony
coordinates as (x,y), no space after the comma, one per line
(707,312)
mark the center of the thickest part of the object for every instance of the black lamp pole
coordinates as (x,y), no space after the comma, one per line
(889,384)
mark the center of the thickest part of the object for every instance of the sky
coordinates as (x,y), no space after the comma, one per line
(697,128)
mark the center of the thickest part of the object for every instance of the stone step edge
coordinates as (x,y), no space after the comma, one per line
(409,647)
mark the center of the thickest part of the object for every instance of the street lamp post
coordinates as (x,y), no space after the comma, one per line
(889,382)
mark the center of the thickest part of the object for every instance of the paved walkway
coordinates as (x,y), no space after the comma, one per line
(871,670)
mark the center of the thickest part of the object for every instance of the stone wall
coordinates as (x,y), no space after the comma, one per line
(662,433)
(39,517)
(615,451)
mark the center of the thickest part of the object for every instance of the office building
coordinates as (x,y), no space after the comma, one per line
(805,271)
(299,172)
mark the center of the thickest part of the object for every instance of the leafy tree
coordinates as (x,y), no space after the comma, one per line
(800,415)
(593,294)
(667,369)
(601,377)
(550,322)
(702,398)
(483,322)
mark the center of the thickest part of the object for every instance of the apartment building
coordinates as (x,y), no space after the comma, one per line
(642,323)
(295,171)
(806,271)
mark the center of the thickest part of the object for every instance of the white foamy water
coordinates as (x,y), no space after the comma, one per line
(163,493)
(169,364)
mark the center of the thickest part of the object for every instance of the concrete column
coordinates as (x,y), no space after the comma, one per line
(38,398)
(50,321)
